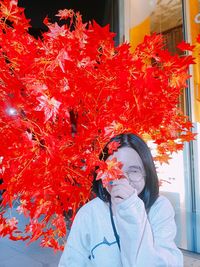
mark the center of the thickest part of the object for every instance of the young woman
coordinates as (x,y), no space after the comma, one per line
(128,224)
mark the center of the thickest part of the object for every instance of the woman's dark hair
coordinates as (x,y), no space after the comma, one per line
(151,189)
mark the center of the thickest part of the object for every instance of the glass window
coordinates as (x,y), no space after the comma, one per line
(178,182)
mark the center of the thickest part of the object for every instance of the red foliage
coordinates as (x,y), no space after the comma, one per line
(185,46)
(109,170)
(62,98)
(198,38)
(113,146)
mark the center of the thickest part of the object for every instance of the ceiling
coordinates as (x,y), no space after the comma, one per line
(166,15)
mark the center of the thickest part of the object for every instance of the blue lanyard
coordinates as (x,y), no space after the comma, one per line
(113,225)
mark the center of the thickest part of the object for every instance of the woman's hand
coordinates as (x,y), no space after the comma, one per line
(120,190)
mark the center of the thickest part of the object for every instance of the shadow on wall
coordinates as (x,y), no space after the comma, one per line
(174,198)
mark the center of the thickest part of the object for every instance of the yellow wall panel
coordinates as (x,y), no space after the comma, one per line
(138,32)
(195,30)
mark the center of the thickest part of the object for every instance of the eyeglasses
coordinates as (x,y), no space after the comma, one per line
(135,176)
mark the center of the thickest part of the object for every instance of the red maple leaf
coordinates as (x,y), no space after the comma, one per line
(109,170)
(113,146)
(198,38)
(65,13)
(56,30)
(183,46)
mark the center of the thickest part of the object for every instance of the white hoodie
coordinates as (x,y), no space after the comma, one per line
(145,241)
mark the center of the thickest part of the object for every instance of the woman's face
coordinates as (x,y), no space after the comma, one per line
(132,167)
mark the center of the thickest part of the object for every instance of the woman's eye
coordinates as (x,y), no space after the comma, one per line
(134,172)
